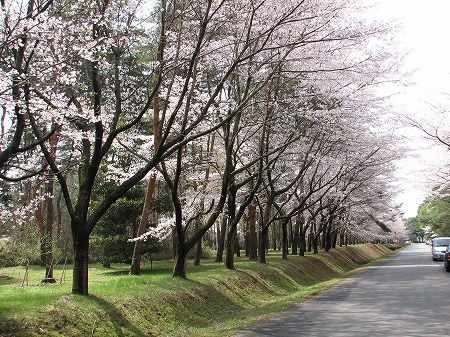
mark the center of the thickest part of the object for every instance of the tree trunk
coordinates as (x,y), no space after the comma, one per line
(221,238)
(48,235)
(81,263)
(290,234)
(302,243)
(232,226)
(296,235)
(46,231)
(334,238)
(323,229)
(246,236)
(327,241)
(199,220)
(237,246)
(135,268)
(315,244)
(137,252)
(59,216)
(174,243)
(262,245)
(198,251)
(179,269)
(229,259)
(284,239)
(303,228)
(252,231)
(328,232)
(311,236)
(274,237)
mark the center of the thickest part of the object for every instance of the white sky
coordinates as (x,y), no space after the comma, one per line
(424,35)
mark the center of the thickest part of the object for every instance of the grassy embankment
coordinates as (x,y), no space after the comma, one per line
(212,301)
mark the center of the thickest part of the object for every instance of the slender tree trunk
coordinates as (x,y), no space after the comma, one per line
(252,231)
(174,243)
(38,213)
(179,269)
(59,216)
(296,235)
(284,239)
(217,235)
(198,252)
(315,243)
(303,228)
(137,252)
(324,230)
(328,232)
(302,243)
(327,241)
(232,226)
(246,237)
(48,233)
(199,221)
(310,237)
(4,112)
(341,239)
(50,189)
(290,234)
(237,245)
(46,227)
(274,236)
(221,238)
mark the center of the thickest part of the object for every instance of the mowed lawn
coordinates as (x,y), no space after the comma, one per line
(212,301)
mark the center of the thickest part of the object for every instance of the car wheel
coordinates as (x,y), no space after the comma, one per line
(447,266)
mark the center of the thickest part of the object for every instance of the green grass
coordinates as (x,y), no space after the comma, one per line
(212,301)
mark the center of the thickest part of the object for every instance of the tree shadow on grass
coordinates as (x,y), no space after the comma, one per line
(156,271)
(9,327)
(164,270)
(7,280)
(122,326)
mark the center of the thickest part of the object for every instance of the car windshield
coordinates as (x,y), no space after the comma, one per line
(441,242)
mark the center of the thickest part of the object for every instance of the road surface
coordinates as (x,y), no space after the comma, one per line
(405,295)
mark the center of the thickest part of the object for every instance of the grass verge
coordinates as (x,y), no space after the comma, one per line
(212,301)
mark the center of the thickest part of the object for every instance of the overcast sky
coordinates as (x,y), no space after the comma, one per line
(423,35)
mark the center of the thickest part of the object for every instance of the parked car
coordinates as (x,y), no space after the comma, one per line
(447,258)
(439,247)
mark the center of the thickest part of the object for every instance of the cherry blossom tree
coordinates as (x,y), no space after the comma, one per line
(248,57)
(101,89)
(314,52)
(277,85)
(22,24)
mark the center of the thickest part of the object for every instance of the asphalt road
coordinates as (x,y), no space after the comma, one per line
(405,295)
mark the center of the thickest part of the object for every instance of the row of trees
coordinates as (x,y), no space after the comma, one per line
(251,112)
(433,218)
